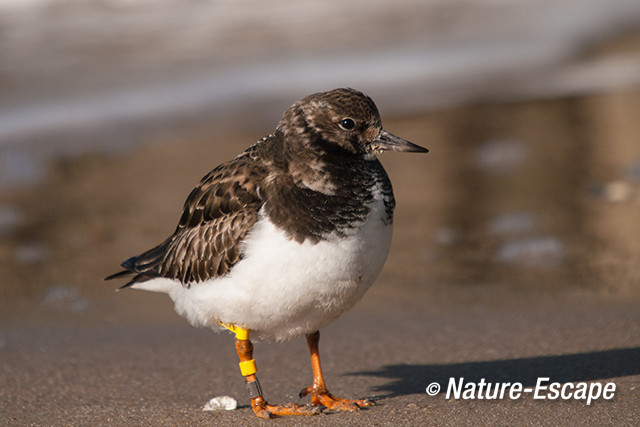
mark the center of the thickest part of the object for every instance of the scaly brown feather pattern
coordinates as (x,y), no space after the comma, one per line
(216,217)
(310,178)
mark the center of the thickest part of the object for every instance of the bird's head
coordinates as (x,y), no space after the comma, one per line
(341,119)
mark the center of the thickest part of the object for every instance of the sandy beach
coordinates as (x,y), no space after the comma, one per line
(516,238)
(481,282)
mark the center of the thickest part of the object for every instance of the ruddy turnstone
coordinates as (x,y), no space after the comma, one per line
(281,240)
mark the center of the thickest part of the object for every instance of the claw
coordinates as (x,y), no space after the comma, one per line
(304,392)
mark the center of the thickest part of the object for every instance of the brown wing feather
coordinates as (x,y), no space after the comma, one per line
(216,217)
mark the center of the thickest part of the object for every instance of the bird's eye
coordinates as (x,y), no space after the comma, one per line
(347,124)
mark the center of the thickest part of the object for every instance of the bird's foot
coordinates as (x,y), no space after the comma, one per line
(329,401)
(263,410)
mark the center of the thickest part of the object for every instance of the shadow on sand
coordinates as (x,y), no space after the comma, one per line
(412,379)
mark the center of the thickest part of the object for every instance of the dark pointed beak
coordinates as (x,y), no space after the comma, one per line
(388,141)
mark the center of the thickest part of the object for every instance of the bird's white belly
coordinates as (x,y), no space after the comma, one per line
(281,288)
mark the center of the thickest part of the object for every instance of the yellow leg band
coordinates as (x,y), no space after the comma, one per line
(241,333)
(248,367)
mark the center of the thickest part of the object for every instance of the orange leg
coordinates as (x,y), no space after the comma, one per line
(319,393)
(260,406)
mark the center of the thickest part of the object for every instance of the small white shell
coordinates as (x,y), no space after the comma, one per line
(221,403)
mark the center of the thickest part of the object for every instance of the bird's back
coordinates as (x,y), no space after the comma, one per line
(226,204)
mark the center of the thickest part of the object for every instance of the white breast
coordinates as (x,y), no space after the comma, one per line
(281,288)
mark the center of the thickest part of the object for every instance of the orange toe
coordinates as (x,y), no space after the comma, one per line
(263,410)
(329,401)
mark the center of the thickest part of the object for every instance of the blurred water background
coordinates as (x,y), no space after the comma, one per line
(516,240)
(111,109)
(80,75)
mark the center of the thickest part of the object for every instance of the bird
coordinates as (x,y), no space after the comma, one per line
(281,240)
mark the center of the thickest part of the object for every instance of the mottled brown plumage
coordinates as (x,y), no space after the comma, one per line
(299,177)
(285,237)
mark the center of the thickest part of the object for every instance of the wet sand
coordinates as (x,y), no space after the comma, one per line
(149,373)
(514,257)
